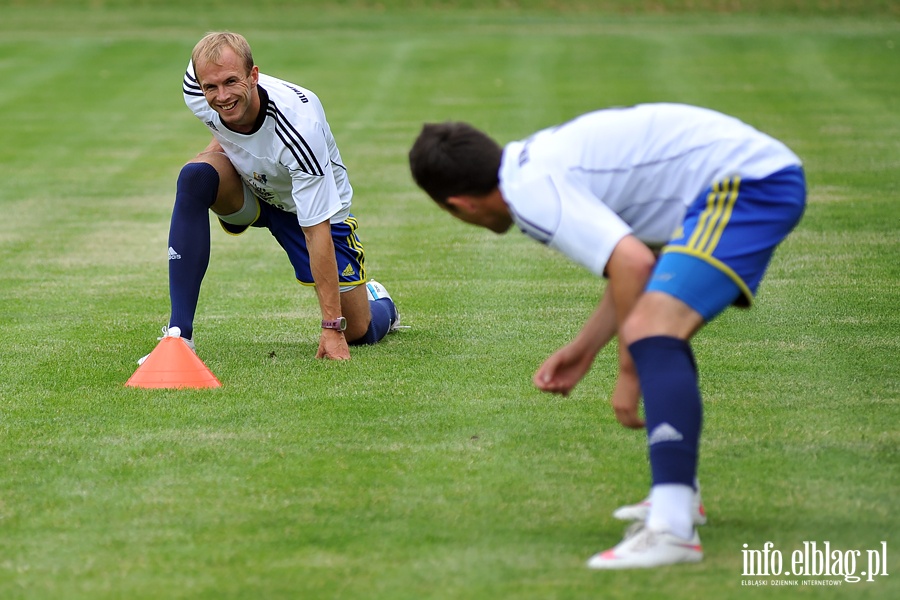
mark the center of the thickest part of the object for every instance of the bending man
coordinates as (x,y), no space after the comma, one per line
(708,195)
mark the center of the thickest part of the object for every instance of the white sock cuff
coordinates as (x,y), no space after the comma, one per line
(247,214)
(672,509)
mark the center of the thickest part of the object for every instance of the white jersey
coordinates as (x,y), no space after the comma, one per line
(584,185)
(291,161)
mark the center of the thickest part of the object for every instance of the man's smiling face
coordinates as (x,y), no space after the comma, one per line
(230,90)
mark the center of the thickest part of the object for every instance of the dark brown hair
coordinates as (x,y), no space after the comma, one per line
(454,159)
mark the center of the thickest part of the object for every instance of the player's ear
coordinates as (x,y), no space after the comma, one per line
(461,204)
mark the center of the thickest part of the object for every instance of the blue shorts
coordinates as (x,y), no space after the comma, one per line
(283,226)
(727,239)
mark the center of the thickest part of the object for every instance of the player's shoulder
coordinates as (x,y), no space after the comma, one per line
(529,191)
(193,95)
(189,84)
(289,95)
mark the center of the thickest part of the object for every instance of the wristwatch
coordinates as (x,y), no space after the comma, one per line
(340,324)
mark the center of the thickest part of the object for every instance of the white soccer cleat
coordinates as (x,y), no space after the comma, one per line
(646,548)
(639,511)
(376,291)
(171,332)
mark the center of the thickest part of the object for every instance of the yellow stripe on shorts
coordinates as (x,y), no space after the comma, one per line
(355,244)
(714,218)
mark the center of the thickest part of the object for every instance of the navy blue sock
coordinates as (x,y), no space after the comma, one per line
(383,314)
(198,184)
(672,407)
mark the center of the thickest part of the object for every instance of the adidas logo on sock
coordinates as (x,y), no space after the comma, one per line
(664,433)
(173,255)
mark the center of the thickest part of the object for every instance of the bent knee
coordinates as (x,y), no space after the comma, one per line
(198,183)
(198,174)
(635,327)
(657,313)
(229,189)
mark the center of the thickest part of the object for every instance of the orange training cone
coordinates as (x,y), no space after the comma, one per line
(173,364)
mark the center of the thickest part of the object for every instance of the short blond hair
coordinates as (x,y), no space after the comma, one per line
(209,49)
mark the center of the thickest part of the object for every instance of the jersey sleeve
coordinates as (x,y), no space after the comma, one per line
(569,219)
(314,190)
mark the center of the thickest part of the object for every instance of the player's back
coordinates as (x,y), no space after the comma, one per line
(650,152)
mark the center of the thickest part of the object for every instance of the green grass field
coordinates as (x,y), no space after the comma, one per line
(428,466)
